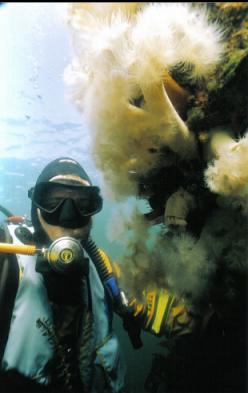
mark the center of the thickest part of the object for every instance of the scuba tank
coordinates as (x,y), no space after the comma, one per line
(65,253)
(9,280)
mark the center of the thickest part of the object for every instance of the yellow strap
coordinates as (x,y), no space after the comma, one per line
(163,302)
(106,261)
(150,302)
(116,269)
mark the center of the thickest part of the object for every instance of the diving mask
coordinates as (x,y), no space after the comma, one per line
(67,205)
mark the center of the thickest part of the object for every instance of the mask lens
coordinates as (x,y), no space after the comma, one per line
(50,196)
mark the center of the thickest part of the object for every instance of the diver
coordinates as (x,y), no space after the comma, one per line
(57,332)
(56,311)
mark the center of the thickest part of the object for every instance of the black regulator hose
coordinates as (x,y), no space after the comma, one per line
(93,251)
(111,285)
(5,211)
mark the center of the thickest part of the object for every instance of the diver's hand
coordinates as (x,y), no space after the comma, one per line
(162,313)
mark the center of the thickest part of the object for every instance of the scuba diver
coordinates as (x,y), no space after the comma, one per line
(57,331)
(57,301)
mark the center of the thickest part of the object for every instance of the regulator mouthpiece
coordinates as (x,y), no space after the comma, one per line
(64,253)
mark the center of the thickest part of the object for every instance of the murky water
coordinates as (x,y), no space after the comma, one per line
(38,123)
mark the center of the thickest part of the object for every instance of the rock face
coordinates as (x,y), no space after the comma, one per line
(164,89)
(223,101)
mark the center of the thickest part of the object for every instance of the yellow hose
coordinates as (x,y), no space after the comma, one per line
(17,249)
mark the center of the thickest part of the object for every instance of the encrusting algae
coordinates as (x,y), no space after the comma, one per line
(164,89)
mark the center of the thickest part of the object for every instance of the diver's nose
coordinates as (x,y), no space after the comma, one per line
(69,213)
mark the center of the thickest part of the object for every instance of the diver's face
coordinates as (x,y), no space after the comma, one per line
(63,212)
